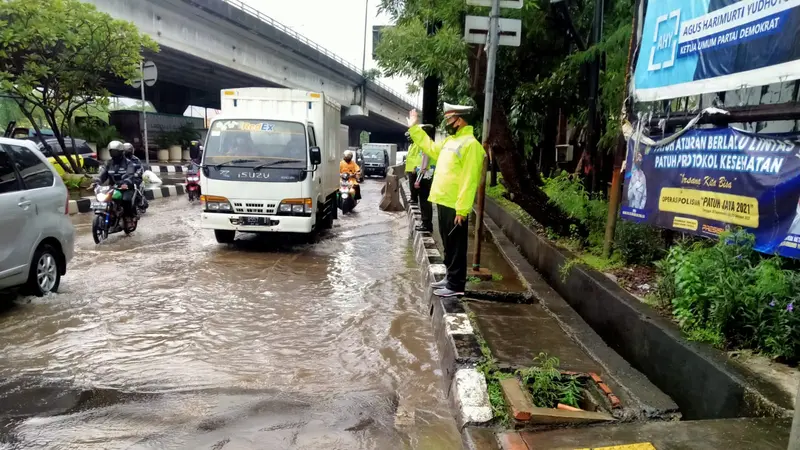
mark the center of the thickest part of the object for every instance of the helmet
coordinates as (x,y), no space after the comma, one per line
(348,153)
(128,149)
(116,149)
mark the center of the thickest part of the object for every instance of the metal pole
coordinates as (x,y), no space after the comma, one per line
(364,55)
(491,61)
(144,120)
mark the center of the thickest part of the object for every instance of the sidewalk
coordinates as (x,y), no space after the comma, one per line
(725,434)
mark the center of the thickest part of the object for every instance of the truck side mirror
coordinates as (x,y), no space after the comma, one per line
(316,156)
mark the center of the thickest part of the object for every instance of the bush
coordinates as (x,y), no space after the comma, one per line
(548,386)
(638,243)
(568,193)
(730,295)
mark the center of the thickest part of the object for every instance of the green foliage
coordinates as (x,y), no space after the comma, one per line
(568,193)
(498,193)
(638,243)
(730,295)
(98,133)
(55,56)
(548,386)
(71,182)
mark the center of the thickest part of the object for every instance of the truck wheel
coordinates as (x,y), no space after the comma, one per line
(225,236)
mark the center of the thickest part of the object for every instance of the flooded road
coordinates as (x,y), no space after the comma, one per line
(166,339)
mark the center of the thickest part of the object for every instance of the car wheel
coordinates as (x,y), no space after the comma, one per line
(225,236)
(44,276)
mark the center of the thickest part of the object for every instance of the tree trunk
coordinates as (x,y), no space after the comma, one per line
(60,138)
(521,179)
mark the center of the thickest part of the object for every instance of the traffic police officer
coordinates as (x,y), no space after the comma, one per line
(458,172)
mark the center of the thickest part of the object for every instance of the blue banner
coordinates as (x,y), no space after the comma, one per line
(709,181)
(692,47)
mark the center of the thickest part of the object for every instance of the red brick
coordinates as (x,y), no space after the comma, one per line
(596,377)
(512,441)
(605,388)
(615,403)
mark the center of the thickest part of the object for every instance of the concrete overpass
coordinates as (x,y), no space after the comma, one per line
(210,45)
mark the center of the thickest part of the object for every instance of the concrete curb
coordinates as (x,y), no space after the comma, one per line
(168,168)
(83,205)
(459,350)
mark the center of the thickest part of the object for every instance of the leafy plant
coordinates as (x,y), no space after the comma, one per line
(638,243)
(185,134)
(548,386)
(165,139)
(568,193)
(729,295)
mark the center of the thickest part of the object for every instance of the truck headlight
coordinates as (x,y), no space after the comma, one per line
(215,203)
(296,207)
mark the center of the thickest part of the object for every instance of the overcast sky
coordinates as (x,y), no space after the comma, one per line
(337,25)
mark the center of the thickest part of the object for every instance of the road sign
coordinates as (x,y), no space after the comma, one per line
(512,4)
(476,28)
(150,74)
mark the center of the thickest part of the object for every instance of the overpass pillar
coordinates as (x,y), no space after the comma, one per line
(354,137)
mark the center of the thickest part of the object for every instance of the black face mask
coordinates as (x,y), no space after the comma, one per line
(116,155)
(450,129)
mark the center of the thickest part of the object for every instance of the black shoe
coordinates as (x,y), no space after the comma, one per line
(423,228)
(413,202)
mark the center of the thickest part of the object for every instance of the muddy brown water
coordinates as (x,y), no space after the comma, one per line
(166,339)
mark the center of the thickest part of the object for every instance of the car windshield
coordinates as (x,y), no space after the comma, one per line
(256,143)
(373,154)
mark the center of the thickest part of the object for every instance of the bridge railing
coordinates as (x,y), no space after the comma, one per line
(274,23)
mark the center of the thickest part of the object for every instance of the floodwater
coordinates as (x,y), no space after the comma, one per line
(166,339)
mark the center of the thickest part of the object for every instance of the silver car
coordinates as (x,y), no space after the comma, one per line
(36,233)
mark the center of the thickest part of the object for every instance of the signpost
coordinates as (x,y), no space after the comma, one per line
(149,77)
(494,32)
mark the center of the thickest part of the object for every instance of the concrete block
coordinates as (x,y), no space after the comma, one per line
(551,416)
(519,401)
(458,324)
(471,397)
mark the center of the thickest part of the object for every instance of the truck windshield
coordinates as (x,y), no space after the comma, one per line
(373,155)
(254,143)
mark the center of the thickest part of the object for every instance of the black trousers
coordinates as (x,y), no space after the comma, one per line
(425,207)
(455,239)
(412,178)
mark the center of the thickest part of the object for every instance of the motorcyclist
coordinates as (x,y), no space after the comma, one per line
(348,166)
(195,151)
(121,172)
(137,164)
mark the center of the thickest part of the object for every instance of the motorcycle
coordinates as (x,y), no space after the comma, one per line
(193,185)
(139,200)
(109,213)
(347,200)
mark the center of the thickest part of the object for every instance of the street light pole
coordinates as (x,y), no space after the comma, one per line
(364,55)
(492,42)
(144,120)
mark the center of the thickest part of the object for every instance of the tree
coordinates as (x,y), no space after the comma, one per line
(534,81)
(56,55)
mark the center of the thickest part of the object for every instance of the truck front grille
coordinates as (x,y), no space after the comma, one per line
(251,207)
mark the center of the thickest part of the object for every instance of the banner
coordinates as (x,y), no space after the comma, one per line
(694,47)
(709,181)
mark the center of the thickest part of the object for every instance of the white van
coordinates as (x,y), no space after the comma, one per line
(271,163)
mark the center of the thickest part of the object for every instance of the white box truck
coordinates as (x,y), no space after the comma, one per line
(271,163)
(378,158)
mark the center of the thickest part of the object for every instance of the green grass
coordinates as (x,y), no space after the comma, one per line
(496,193)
